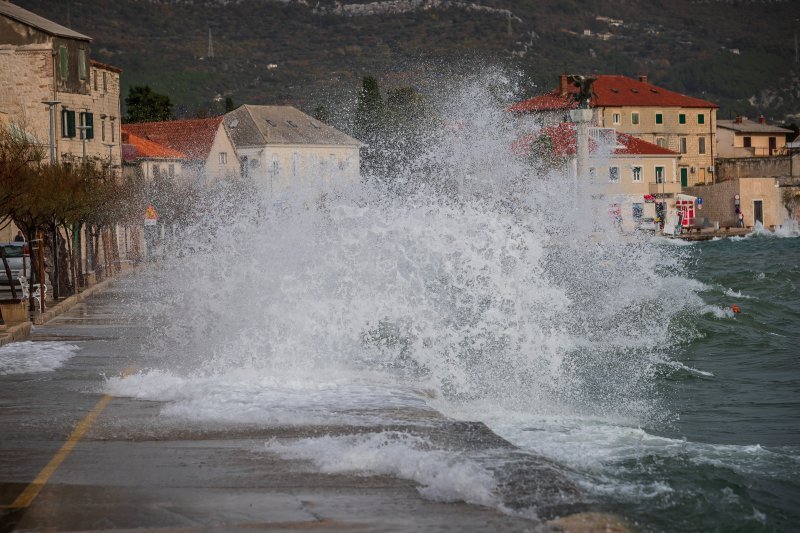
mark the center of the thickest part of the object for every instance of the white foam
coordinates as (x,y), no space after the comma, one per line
(250,396)
(29,356)
(443,475)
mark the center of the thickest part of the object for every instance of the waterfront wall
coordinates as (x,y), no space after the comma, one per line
(719,201)
(758,167)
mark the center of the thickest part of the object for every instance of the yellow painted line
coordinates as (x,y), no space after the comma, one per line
(32,490)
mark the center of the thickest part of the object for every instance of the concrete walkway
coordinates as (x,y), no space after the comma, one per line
(74,459)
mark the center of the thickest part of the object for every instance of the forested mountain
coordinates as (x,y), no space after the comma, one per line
(741,54)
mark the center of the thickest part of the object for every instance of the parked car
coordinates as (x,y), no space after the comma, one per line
(18,256)
(648,224)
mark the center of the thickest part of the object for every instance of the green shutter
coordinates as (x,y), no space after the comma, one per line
(70,124)
(89,122)
(63,61)
(684,177)
(701,119)
(682,118)
(659,118)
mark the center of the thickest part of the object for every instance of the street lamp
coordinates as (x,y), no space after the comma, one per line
(52,105)
(110,146)
(83,129)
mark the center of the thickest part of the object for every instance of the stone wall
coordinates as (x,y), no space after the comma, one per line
(758,167)
(719,201)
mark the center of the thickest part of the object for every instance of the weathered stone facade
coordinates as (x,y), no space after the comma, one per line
(694,139)
(719,202)
(53,64)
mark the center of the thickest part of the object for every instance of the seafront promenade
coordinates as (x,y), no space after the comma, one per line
(75,458)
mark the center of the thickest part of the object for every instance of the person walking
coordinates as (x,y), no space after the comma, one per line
(741,219)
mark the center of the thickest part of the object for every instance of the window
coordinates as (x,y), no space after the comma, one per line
(276,168)
(747,142)
(82,64)
(156,172)
(67,123)
(87,122)
(659,174)
(634,118)
(659,118)
(616,119)
(592,174)
(294,164)
(223,158)
(613,174)
(95,79)
(701,145)
(171,170)
(105,82)
(701,118)
(637,211)
(682,118)
(112,131)
(103,130)
(63,63)
(637,174)
(683,145)
(661,141)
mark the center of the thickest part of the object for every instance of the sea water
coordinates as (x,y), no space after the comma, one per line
(474,285)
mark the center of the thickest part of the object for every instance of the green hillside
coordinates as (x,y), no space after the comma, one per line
(739,54)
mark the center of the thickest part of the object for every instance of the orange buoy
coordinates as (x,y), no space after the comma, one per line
(735,308)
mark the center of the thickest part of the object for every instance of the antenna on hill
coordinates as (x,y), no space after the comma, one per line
(796,49)
(511,33)
(210,54)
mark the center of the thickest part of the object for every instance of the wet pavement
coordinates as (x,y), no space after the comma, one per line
(132,470)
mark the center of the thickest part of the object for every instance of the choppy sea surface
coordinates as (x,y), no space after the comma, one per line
(730,459)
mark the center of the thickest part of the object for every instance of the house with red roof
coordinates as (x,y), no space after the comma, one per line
(201,146)
(668,119)
(639,179)
(150,159)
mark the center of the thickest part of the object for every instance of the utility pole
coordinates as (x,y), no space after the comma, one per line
(210,45)
(52,105)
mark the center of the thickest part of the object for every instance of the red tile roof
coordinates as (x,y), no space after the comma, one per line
(612,91)
(564,143)
(144,148)
(191,137)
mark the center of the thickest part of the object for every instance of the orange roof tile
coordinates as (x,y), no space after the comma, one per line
(192,137)
(98,64)
(151,150)
(564,142)
(612,91)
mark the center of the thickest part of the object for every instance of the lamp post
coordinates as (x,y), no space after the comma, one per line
(110,146)
(52,105)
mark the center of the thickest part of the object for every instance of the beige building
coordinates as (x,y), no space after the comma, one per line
(759,199)
(282,147)
(43,61)
(637,179)
(203,147)
(743,138)
(682,124)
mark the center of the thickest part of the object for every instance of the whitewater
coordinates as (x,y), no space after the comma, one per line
(474,286)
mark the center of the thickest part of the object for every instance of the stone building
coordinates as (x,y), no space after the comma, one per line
(280,146)
(43,61)
(671,120)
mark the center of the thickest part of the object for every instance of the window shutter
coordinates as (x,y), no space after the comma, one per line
(89,121)
(70,124)
(63,62)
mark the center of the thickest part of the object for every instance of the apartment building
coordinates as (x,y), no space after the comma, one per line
(679,123)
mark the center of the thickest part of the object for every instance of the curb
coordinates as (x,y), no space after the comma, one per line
(22,331)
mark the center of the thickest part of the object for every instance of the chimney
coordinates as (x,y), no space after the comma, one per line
(563,84)
(739,119)
(762,120)
(643,78)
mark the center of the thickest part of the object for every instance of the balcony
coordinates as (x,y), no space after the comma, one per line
(672,187)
